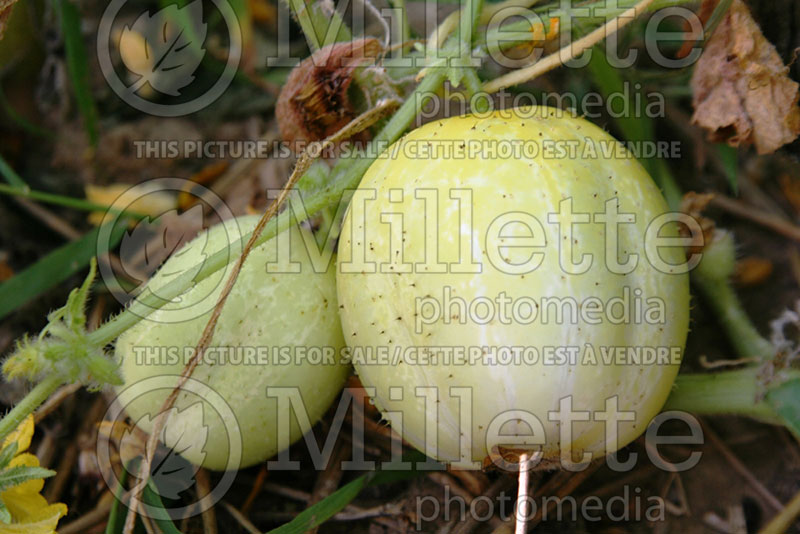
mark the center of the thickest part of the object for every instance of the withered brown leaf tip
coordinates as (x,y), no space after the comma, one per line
(314,103)
(741,90)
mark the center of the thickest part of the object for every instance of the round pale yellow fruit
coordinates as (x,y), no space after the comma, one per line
(469,308)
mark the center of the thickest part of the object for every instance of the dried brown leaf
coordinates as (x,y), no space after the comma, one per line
(315,103)
(742,93)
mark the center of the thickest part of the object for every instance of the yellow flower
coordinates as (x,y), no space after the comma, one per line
(144,200)
(30,513)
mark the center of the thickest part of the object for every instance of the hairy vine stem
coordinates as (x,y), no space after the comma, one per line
(29,403)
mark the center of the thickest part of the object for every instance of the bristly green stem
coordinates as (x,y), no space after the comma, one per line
(28,404)
(67,202)
(744,337)
(724,392)
(319,28)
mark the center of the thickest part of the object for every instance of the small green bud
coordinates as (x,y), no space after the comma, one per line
(719,257)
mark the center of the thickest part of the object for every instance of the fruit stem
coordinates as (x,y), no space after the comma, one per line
(736,392)
(318,26)
(28,404)
(712,277)
(746,340)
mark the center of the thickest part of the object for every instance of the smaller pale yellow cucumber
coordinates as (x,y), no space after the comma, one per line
(279,328)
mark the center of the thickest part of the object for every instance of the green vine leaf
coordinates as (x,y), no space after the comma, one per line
(8,452)
(63,348)
(785,399)
(5,515)
(14,476)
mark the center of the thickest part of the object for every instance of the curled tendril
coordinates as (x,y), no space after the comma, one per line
(63,348)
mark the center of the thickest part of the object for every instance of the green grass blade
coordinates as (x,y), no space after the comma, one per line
(51,270)
(21,121)
(320,512)
(61,200)
(156,510)
(11,175)
(730,161)
(635,129)
(116,519)
(78,66)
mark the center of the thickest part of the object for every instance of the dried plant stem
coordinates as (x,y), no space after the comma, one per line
(91,518)
(568,52)
(768,220)
(523,497)
(258,485)
(208,515)
(240,518)
(743,471)
(55,400)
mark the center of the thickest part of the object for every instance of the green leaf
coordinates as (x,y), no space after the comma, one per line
(11,175)
(716,17)
(8,452)
(78,66)
(156,511)
(75,309)
(14,476)
(116,520)
(51,270)
(785,399)
(5,515)
(21,121)
(58,200)
(320,512)
(634,128)
(455,75)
